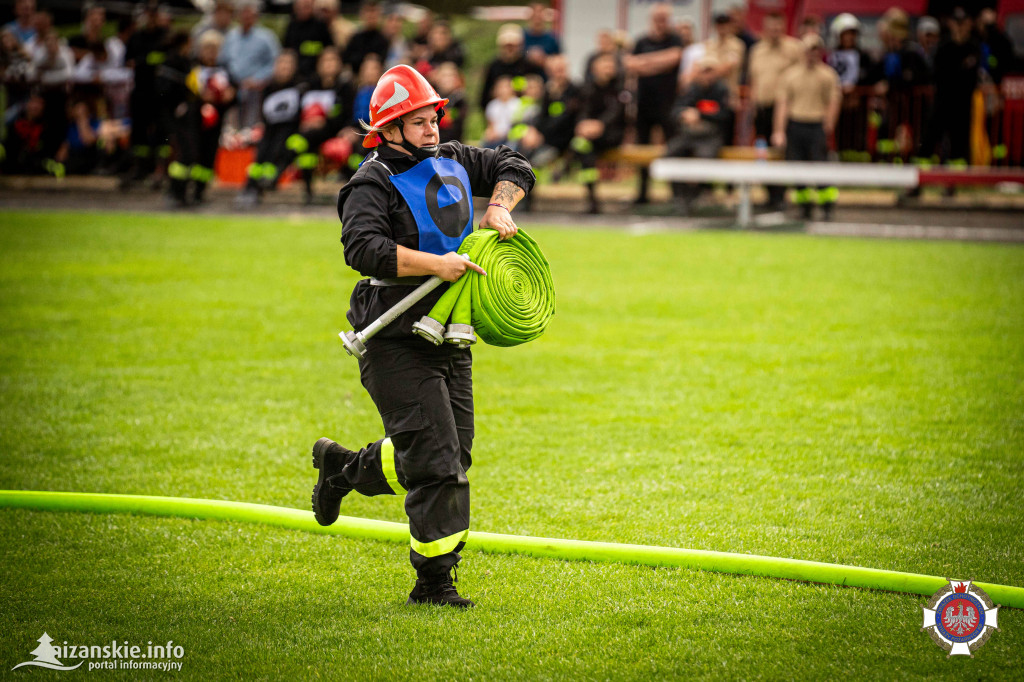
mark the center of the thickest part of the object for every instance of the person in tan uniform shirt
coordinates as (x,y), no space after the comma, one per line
(728,50)
(769,59)
(806,108)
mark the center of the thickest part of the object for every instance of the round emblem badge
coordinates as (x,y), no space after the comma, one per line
(960,617)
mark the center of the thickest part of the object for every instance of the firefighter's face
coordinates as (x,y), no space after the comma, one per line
(419,128)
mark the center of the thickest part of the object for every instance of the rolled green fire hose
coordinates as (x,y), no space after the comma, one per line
(511,305)
(575,550)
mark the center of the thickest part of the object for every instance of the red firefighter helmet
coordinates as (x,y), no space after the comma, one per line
(400,90)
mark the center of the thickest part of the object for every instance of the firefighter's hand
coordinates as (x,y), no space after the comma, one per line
(499,218)
(778,139)
(451,266)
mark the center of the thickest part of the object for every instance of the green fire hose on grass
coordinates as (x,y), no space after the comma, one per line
(511,305)
(575,550)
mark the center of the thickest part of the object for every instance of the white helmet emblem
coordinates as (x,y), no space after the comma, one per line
(401,94)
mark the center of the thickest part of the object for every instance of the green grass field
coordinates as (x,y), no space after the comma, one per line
(835,400)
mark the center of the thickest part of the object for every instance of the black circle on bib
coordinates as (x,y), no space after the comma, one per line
(451,219)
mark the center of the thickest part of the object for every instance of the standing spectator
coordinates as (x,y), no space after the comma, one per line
(928,39)
(738,15)
(684,29)
(538,37)
(368,40)
(43,22)
(450,86)
(23,26)
(853,65)
(282,99)
(996,46)
(90,52)
(812,25)
(805,115)
(602,124)
(249,53)
(218,21)
(896,75)
(500,112)
(398,48)
(770,58)
(702,112)
(341,28)
(655,63)
(606,44)
(114,73)
(510,62)
(55,65)
(179,108)
(307,35)
(728,50)
(442,47)
(957,60)
(145,51)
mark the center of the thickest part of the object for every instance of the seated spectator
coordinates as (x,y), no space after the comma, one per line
(307,36)
(552,130)
(327,108)
(510,62)
(448,81)
(525,116)
(442,47)
(703,113)
(369,74)
(368,40)
(500,112)
(249,53)
(602,124)
(23,27)
(80,151)
(281,114)
(539,41)
(25,143)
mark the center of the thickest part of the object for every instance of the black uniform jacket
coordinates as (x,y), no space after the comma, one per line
(375,219)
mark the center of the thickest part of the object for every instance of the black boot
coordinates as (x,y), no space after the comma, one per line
(593,207)
(330,459)
(438,590)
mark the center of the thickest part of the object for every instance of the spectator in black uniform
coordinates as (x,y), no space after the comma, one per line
(901,69)
(307,36)
(510,62)
(956,61)
(216,95)
(178,103)
(281,112)
(602,122)
(442,46)
(655,62)
(368,40)
(559,111)
(703,114)
(145,51)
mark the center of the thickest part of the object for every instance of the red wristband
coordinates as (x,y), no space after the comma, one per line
(500,206)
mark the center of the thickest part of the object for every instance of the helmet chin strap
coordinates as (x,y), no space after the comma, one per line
(421,153)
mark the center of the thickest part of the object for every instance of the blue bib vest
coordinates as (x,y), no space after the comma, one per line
(441,200)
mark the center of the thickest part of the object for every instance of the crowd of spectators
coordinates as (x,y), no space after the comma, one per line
(152,101)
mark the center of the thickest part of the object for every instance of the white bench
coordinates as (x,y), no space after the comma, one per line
(743,174)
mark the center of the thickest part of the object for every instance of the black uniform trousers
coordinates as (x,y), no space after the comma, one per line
(651,113)
(272,156)
(424,394)
(807,142)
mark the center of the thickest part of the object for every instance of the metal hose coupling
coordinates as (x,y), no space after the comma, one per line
(460,335)
(430,329)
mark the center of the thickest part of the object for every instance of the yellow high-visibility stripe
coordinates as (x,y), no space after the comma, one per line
(439,547)
(387,464)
